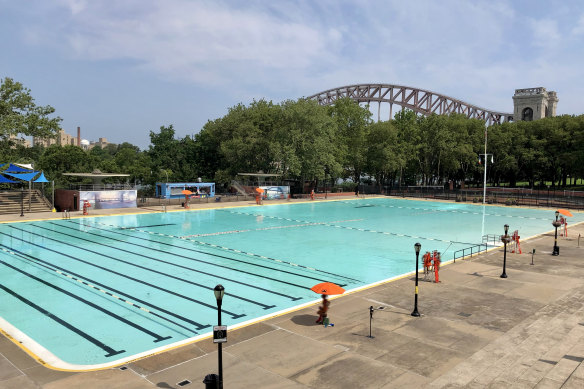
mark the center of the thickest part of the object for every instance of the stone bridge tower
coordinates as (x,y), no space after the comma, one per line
(533,104)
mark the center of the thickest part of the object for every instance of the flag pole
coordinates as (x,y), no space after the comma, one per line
(485,175)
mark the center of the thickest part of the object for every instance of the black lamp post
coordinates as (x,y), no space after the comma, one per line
(417,246)
(505,238)
(219,293)
(556,223)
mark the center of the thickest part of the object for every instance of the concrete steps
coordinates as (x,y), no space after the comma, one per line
(11,202)
(544,350)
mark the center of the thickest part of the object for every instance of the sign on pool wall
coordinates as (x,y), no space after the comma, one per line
(108,199)
(275,192)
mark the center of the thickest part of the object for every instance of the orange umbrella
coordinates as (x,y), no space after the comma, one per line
(187,192)
(259,190)
(327,288)
(565,212)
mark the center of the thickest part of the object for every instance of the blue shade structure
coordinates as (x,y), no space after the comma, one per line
(23,176)
(4,180)
(16,169)
(41,178)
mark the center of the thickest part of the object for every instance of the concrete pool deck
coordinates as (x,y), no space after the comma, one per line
(476,330)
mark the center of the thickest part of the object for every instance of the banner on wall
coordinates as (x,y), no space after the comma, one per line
(275,192)
(108,199)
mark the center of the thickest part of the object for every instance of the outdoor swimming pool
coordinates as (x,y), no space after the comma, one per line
(95,291)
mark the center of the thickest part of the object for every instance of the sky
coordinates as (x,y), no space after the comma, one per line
(123,69)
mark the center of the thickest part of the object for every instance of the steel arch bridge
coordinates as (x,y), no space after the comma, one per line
(418,100)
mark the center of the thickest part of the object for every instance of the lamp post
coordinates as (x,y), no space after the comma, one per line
(417,246)
(485,172)
(556,224)
(219,293)
(505,238)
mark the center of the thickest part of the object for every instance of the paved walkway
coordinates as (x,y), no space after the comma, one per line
(477,330)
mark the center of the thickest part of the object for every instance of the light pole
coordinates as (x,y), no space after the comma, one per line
(485,174)
(325,182)
(219,293)
(505,238)
(417,246)
(556,224)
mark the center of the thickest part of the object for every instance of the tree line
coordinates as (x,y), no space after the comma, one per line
(304,141)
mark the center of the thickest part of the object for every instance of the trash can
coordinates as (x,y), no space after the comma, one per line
(211,381)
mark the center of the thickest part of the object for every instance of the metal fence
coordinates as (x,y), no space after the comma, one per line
(475,249)
(502,196)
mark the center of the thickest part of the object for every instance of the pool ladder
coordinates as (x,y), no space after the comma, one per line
(66,214)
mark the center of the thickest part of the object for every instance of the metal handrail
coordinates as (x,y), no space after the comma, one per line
(464,250)
(491,238)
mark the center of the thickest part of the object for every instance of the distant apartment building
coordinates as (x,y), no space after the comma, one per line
(102,142)
(63,139)
(19,140)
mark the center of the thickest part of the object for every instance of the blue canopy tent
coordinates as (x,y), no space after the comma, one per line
(4,180)
(16,169)
(25,175)
(41,178)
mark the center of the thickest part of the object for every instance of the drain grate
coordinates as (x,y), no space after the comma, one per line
(184,383)
(548,361)
(464,314)
(124,368)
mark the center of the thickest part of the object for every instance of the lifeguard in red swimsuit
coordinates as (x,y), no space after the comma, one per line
(427,263)
(436,266)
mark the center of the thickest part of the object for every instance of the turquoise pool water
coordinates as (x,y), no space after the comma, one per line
(100,290)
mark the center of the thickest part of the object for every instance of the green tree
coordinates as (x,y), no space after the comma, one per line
(306,141)
(57,160)
(384,158)
(163,152)
(352,122)
(20,115)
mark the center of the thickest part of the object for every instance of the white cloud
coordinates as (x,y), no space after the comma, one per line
(546,33)
(204,42)
(579,29)
(475,51)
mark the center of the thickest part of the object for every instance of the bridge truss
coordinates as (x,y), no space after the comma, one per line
(418,100)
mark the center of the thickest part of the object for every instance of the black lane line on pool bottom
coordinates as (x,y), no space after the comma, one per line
(228,249)
(156,336)
(264,306)
(171,263)
(155,225)
(232,314)
(174,264)
(61,273)
(110,351)
(50,265)
(214,264)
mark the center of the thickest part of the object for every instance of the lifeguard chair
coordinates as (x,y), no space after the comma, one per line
(86,205)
